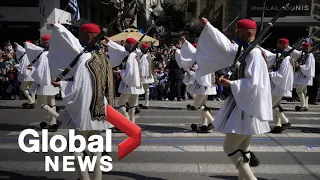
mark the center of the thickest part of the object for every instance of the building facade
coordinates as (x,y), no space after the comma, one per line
(297,21)
(28,19)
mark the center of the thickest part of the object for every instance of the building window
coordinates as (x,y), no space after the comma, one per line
(20,3)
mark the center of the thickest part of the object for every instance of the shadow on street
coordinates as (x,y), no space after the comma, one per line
(15,176)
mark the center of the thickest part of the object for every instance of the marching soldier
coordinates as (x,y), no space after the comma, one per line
(146,69)
(305,72)
(41,74)
(83,87)
(281,76)
(201,88)
(130,87)
(25,76)
(248,110)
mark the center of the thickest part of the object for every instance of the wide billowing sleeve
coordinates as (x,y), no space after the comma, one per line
(130,75)
(64,48)
(271,57)
(32,51)
(308,69)
(177,56)
(144,65)
(283,78)
(253,93)
(295,54)
(41,73)
(214,50)
(20,53)
(116,53)
(187,54)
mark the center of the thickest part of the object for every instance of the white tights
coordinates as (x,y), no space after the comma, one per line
(97,173)
(302,93)
(132,101)
(279,117)
(232,143)
(24,88)
(201,101)
(48,103)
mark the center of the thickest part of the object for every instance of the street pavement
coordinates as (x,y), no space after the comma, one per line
(170,150)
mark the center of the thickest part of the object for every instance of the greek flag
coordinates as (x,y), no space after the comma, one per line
(309,40)
(76,13)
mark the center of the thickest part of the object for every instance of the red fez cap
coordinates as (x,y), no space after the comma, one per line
(195,45)
(28,41)
(283,41)
(247,24)
(46,37)
(131,41)
(145,46)
(90,28)
(306,44)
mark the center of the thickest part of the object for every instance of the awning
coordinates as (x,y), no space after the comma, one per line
(290,21)
(133,33)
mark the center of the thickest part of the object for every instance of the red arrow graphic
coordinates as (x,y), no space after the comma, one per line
(129,128)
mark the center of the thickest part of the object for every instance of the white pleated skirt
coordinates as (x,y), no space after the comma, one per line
(147,80)
(124,89)
(237,121)
(189,78)
(197,89)
(276,91)
(86,124)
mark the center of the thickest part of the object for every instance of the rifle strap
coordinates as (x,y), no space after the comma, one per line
(35,60)
(236,74)
(22,56)
(264,56)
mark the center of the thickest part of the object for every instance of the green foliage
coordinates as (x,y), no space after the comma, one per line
(177,16)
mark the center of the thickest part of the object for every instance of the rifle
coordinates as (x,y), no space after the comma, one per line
(302,40)
(151,45)
(278,61)
(207,9)
(141,38)
(304,57)
(262,16)
(203,12)
(90,45)
(123,63)
(226,28)
(264,39)
(241,58)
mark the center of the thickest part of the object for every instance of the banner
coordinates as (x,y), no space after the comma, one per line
(255,7)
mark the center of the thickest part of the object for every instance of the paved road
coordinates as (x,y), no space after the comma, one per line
(170,150)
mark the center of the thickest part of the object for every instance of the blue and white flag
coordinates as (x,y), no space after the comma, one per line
(76,13)
(309,40)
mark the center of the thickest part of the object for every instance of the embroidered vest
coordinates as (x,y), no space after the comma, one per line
(100,71)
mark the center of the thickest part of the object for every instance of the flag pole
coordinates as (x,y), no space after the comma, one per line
(63,12)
